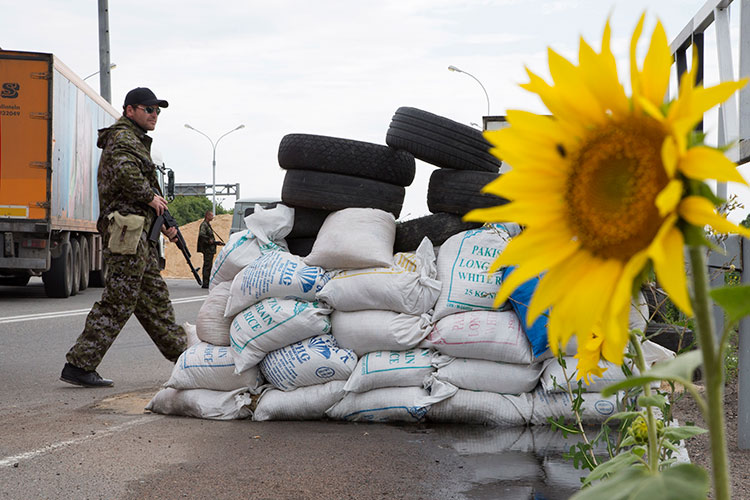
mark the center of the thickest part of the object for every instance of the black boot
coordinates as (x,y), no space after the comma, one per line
(78,376)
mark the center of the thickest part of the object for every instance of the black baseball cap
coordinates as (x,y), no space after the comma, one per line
(142,95)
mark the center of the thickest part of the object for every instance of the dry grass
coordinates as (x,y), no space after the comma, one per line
(176,266)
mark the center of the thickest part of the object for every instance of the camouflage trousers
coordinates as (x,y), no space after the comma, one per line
(133,286)
(208,261)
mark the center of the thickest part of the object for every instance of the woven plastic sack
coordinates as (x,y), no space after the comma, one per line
(354,238)
(206,366)
(312,361)
(202,403)
(368,331)
(490,376)
(276,273)
(305,403)
(463,269)
(272,324)
(212,326)
(380,369)
(408,286)
(490,335)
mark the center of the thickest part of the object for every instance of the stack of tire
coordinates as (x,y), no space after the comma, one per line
(465,166)
(326,174)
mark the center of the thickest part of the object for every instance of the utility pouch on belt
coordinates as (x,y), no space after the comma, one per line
(125,232)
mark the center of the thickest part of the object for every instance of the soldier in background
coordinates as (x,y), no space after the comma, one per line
(207,245)
(127,182)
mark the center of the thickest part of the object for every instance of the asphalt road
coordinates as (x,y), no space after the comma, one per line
(61,441)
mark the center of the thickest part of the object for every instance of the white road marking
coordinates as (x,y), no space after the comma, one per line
(9,461)
(77,312)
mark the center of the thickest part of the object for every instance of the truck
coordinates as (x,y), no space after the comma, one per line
(49,202)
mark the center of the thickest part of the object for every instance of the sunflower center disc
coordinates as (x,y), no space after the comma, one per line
(615,178)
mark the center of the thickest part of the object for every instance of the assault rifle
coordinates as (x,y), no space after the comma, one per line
(166,219)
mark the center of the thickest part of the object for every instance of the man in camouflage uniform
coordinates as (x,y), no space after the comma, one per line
(127,184)
(207,246)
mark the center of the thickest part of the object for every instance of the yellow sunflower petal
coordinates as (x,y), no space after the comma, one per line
(669,155)
(699,211)
(557,282)
(524,213)
(616,338)
(669,198)
(600,74)
(669,264)
(656,67)
(703,162)
(635,76)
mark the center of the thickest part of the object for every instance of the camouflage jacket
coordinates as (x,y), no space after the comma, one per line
(127,176)
(206,238)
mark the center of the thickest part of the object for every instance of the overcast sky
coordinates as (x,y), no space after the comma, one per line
(338,68)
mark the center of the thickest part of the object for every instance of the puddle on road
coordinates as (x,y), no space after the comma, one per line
(130,403)
(516,463)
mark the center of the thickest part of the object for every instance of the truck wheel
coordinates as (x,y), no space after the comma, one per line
(85,263)
(346,156)
(76,278)
(440,141)
(326,191)
(98,278)
(58,281)
(458,191)
(437,227)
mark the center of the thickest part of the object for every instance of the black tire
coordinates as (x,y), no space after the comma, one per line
(437,227)
(98,278)
(440,141)
(307,222)
(300,246)
(458,191)
(85,264)
(58,281)
(76,282)
(333,192)
(348,157)
(18,280)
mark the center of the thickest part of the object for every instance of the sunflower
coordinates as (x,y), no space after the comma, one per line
(604,186)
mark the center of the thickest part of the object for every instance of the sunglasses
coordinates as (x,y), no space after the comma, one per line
(150,109)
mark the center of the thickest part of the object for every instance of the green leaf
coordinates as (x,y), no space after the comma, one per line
(679,369)
(652,400)
(683,432)
(681,482)
(612,466)
(734,300)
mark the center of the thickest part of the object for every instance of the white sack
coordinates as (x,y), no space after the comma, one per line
(490,335)
(354,238)
(369,331)
(206,366)
(596,409)
(463,264)
(554,372)
(212,326)
(316,360)
(191,334)
(482,408)
(276,273)
(305,403)
(390,404)
(266,229)
(408,286)
(202,403)
(490,376)
(390,369)
(272,324)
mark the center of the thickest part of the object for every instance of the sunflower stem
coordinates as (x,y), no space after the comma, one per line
(653,441)
(713,374)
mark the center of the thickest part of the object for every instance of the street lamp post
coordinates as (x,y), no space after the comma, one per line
(453,68)
(213,145)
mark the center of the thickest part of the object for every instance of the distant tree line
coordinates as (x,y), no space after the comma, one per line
(192,208)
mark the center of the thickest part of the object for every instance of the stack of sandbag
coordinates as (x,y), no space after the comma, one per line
(206,382)
(280,327)
(381,310)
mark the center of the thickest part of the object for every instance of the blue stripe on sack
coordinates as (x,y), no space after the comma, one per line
(405,408)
